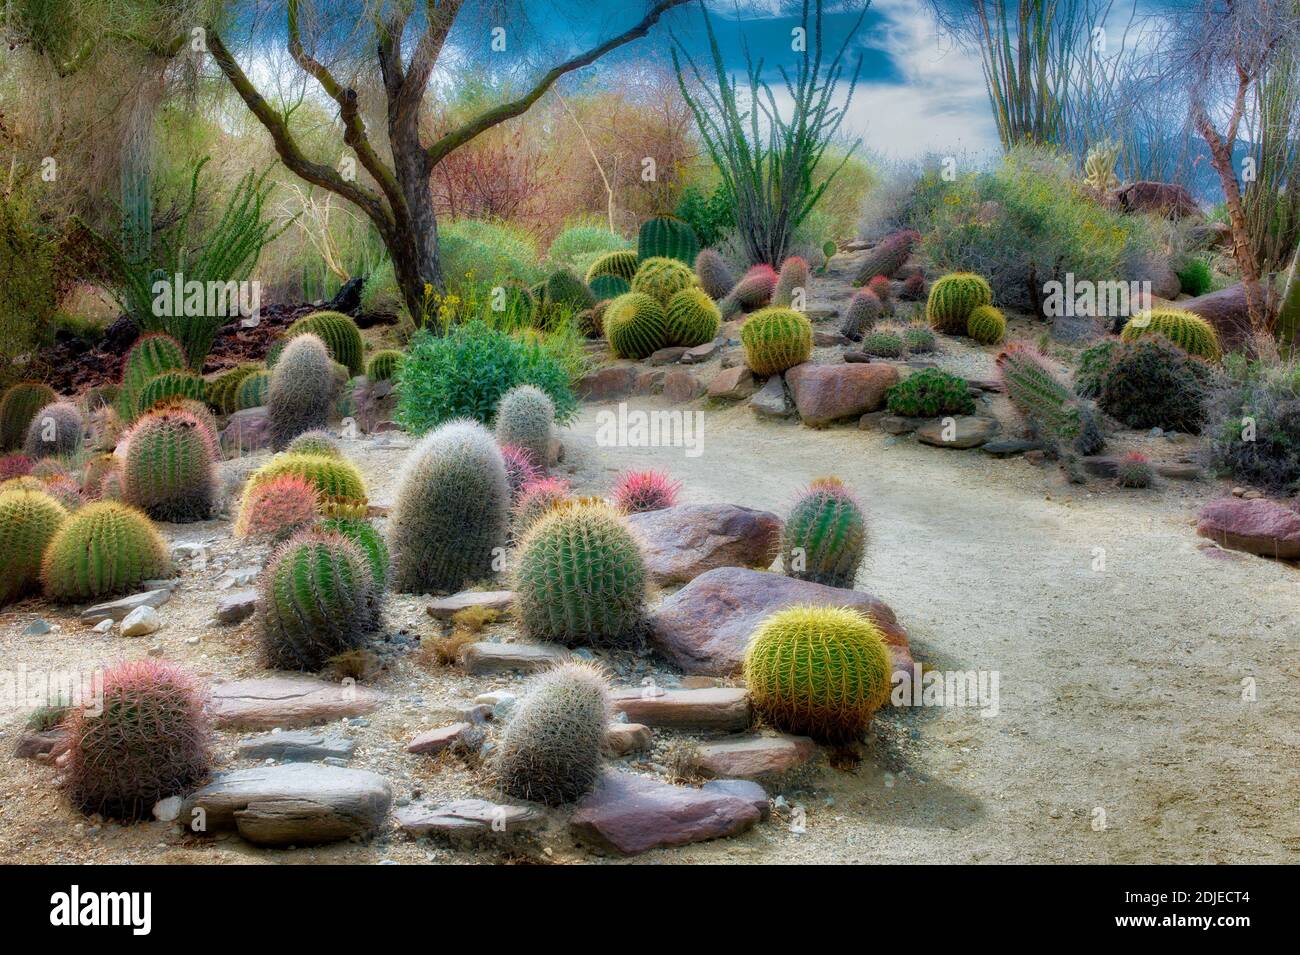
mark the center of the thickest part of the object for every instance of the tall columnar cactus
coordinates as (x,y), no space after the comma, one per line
(1187,330)
(1045,401)
(792,278)
(636,492)
(754,290)
(825,536)
(620,262)
(384,364)
(775,339)
(525,415)
(303,388)
(371,543)
(887,256)
(338,483)
(277,508)
(521,469)
(169,385)
(953,298)
(635,325)
(317,600)
(339,333)
(580,578)
(818,671)
(535,499)
(168,470)
(606,287)
(667,237)
(450,518)
(150,356)
(223,391)
(692,318)
(662,278)
(251,392)
(28,522)
(551,750)
(149,740)
(55,431)
(103,549)
(986,324)
(713,274)
(315,442)
(862,314)
(17,408)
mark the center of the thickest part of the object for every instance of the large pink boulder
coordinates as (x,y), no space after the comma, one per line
(1162,198)
(1258,526)
(1226,311)
(828,393)
(682,542)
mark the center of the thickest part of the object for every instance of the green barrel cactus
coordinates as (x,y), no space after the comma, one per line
(150,356)
(667,237)
(818,671)
(339,333)
(252,391)
(168,385)
(337,481)
(987,325)
(364,534)
(29,519)
(17,408)
(552,749)
(605,287)
(524,417)
(621,263)
(450,520)
(662,278)
(105,548)
(713,274)
(1187,330)
(168,470)
(384,364)
(564,290)
(692,318)
(315,442)
(223,391)
(775,339)
(303,388)
(317,600)
(635,325)
(55,431)
(580,579)
(825,536)
(953,298)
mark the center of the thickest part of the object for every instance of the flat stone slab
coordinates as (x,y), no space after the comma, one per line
(1010,447)
(717,708)
(752,757)
(624,738)
(1257,526)
(499,600)
(33,744)
(237,606)
(959,433)
(484,657)
(297,746)
(632,814)
(468,819)
(897,424)
(745,789)
(682,542)
(292,804)
(116,610)
(436,740)
(287,702)
(705,627)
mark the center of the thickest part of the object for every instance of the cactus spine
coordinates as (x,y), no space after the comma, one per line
(29,520)
(168,470)
(825,536)
(303,388)
(104,548)
(775,339)
(692,318)
(635,325)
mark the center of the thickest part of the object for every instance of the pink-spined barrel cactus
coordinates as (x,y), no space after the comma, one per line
(521,469)
(279,507)
(638,491)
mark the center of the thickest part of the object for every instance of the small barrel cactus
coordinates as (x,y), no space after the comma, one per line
(887,256)
(913,288)
(29,520)
(520,469)
(566,292)
(606,287)
(818,671)
(635,325)
(339,334)
(251,392)
(223,391)
(535,499)
(524,417)
(1134,471)
(17,408)
(168,386)
(692,318)
(14,465)
(930,393)
(775,339)
(621,263)
(883,290)
(317,599)
(1187,330)
(147,741)
(55,431)
(825,536)
(987,325)
(754,290)
(384,364)
(667,237)
(884,343)
(551,750)
(168,470)
(303,388)
(953,298)
(580,578)
(639,491)
(713,274)
(277,508)
(65,489)
(337,481)
(919,339)
(103,549)
(450,518)
(362,533)
(661,279)
(315,442)
(150,356)
(862,314)
(792,281)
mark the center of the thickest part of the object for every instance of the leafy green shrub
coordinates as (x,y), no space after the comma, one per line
(28,301)
(579,242)
(1195,277)
(1253,425)
(711,217)
(478,255)
(930,393)
(465,373)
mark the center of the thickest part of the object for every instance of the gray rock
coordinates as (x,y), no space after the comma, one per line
(724,708)
(1009,447)
(297,746)
(682,542)
(667,356)
(484,657)
(700,353)
(167,810)
(896,424)
(468,820)
(237,606)
(287,701)
(140,622)
(745,789)
(118,609)
(959,433)
(445,607)
(770,400)
(37,627)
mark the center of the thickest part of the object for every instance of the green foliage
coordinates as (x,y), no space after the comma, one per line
(818,671)
(1253,425)
(953,298)
(662,278)
(169,385)
(105,548)
(551,750)
(635,325)
(580,578)
(28,273)
(29,520)
(930,393)
(775,339)
(710,217)
(464,374)
(339,333)
(622,263)
(986,324)
(17,409)
(1187,330)
(692,318)
(303,389)
(825,536)
(451,511)
(667,237)
(563,295)
(478,255)
(524,418)
(318,599)
(1195,277)
(364,534)
(580,241)
(168,470)
(1149,383)
(252,391)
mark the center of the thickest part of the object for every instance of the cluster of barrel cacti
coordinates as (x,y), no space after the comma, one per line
(1185,329)
(825,536)
(149,356)
(953,298)
(29,519)
(168,467)
(638,491)
(661,278)
(339,334)
(17,408)
(169,386)
(223,391)
(252,390)
(775,339)
(340,489)
(105,548)
(521,469)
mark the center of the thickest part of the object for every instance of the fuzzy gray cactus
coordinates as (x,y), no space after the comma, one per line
(303,388)
(55,431)
(714,275)
(794,275)
(524,417)
(318,442)
(551,749)
(451,512)
(864,311)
